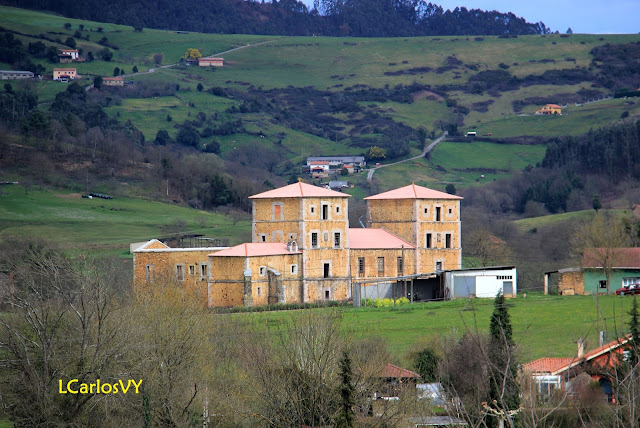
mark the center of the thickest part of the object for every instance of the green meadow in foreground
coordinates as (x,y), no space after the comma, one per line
(543,325)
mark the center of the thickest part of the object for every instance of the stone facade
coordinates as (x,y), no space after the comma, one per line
(303,250)
(570,281)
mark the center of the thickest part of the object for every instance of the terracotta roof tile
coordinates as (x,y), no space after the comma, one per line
(547,365)
(360,239)
(413,192)
(253,249)
(299,190)
(397,372)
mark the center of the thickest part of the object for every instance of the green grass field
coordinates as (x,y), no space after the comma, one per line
(543,326)
(71,221)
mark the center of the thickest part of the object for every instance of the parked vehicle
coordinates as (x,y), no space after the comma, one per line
(629,289)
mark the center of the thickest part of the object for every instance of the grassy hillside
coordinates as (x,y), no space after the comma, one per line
(100,224)
(272,72)
(543,326)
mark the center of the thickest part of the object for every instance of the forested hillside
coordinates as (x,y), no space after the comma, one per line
(361,18)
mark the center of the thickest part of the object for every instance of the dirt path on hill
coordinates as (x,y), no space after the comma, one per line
(162,67)
(426,150)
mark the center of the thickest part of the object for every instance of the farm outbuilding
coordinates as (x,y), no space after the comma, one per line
(482,282)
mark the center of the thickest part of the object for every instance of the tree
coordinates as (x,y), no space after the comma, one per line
(105,54)
(162,138)
(90,56)
(157,58)
(345,417)
(169,117)
(426,365)
(200,87)
(451,189)
(81,27)
(596,202)
(67,25)
(192,53)
(116,71)
(135,69)
(122,72)
(569,30)
(344,171)
(486,249)
(597,243)
(71,42)
(188,135)
(375,153)
(504,391)
(97,82)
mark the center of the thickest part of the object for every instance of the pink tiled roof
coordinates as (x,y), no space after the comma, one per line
(210,58)
(620,257)
(397,372)
(320,163)
(360,239)
(413,192)
(253,249)
(299,190)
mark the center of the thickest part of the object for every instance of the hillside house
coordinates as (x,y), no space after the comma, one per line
(15,75)
(394,380)
(72,53)
(113,81)
(210,62)
(591,277)
(338,161)
(550,109)
(303,249)
(568,374)
(64,74)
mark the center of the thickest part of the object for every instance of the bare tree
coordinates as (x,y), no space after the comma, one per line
(598,243)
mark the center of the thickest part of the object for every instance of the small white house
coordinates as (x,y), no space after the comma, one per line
(482,282)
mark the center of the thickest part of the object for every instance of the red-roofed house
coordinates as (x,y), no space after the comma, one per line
(558,373)
(394,380)
(64,74)
(550,109)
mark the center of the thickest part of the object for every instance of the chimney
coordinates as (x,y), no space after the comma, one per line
(580,348)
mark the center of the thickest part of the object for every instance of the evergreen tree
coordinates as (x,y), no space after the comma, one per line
(504,391)
(345,416)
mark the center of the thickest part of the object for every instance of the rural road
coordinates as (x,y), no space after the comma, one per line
(426,150)
(153,70)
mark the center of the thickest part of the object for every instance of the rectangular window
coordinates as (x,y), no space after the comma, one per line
(326,295)
(361,265)
(263,237)
(380,263)
(428,243)
(294,269)
(438,266)
(447,240)
(313,209)
(326,267)
(314,240)
(325,212)
(277,212)
(400,266)
(258,291)
(426,210)
(262,270)
(603,284)
(192,270)
(337,209)
(203,271)
(438,209)
(149,273)
(180,272)
(336,239)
